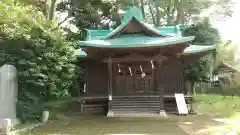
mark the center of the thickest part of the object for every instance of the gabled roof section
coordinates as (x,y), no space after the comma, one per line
(136,41)
(80,53)
(96,34)
(170,31)
(233,65)
(192,49)
(133,23)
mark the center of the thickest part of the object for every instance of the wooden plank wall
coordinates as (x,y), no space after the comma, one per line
(171,73)
(97,76)
(172,76)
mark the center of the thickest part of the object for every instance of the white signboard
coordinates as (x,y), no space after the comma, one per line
(181,104)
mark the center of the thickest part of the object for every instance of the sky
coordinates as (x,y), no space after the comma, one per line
(229,29)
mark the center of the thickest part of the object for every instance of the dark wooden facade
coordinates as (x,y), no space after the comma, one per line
(168,74)
(110,76)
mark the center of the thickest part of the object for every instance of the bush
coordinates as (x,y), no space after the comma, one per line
(40,52)
(29,108)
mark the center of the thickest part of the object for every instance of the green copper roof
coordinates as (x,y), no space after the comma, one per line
(132,12)
(170,30)
(135,41)
(192,49)
(96,34)
(125,23)
(198,48)
(166,31)
(169,35)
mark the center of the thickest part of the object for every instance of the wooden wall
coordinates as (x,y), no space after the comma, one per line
(97,76)
(171,77)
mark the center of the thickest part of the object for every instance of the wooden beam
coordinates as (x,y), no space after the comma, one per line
(110,82)
(136,57)
(159,87)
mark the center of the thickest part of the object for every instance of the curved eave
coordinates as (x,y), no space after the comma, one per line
(80,53)
(193,49)
(154,42)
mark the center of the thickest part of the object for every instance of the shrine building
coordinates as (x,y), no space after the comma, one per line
(136,68)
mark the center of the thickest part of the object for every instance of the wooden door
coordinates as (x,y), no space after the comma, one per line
(132,82)
(143,84)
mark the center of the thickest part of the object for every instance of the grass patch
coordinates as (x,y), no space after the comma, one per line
(21,126)
(215,104)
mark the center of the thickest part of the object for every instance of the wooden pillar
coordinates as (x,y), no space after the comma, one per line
(160,89)
(110,87)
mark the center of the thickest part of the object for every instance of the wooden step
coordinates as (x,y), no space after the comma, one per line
(136,109)
(134,102)
(136,114)
(140,104)
(149,101)
(133,105)
(137,105)
(136,98)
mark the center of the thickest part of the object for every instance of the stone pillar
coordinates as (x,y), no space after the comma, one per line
(5,125)
(160,90)
(8,93)
(110,87)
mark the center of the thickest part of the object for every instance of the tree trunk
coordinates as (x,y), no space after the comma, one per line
(193,92)
(169,12)
(151,11)
(135,3)
(51,5)
(157,14)
(180,12)
(142,8)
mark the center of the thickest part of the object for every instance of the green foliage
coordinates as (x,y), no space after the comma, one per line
(87,13)
(204,32)
(30,108)
(205,35)
(42,55)
(199,71)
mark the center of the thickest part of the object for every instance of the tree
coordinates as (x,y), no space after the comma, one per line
(205,35)
(87,14)
(42,55)
(142,8)
(174,12)
(204,32)
(198,72)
